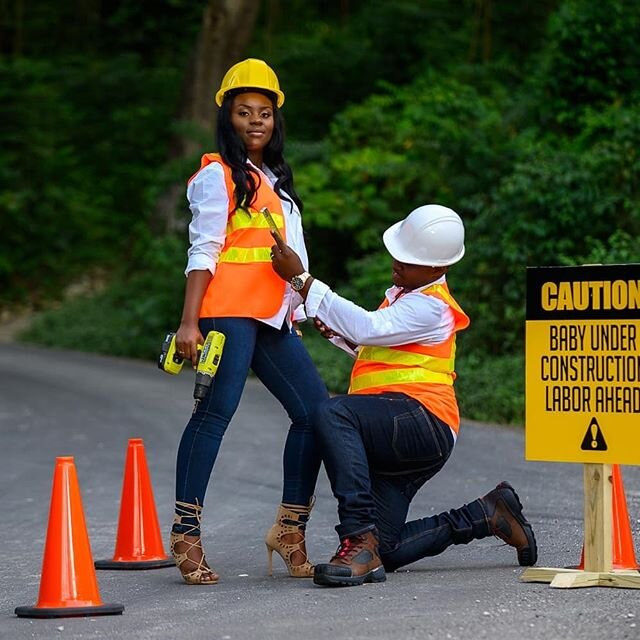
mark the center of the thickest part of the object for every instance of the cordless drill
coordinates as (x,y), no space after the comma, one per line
(208,360)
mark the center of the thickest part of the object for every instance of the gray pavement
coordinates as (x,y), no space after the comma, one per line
(60,403)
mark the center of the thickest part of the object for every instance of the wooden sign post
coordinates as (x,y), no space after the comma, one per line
(583,396)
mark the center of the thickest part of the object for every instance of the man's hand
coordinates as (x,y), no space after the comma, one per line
(325,331)
(284,260)
(328,333)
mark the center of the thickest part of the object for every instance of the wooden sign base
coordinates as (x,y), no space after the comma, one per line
(597,541)
(573,578)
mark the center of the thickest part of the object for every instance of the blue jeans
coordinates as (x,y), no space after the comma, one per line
(281,362)
(378,451)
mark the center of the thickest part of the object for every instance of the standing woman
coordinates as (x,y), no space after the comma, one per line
(232,288)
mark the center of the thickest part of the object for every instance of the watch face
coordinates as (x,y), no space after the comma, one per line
(297,283)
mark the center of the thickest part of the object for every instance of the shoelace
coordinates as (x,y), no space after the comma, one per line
(344,548)
(347,547)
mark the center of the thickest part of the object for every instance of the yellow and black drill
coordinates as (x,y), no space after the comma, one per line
(208,361)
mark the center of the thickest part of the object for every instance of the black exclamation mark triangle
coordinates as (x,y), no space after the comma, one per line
(593,439)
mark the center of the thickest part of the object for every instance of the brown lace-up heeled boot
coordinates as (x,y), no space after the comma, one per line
(286,537)
(186,548)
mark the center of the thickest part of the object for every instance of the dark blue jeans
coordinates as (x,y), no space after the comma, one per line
(281,362)
(378,451)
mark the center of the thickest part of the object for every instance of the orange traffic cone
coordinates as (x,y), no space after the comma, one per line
(138,541)
(623,553)
(68,585)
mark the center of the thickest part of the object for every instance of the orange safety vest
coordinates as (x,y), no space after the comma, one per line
(244,283)
(424,372)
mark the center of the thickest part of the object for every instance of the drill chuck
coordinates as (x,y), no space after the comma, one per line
(201,388)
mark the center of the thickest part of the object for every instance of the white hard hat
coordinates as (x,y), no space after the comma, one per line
(431,235)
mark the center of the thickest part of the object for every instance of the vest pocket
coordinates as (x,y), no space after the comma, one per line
(415,439)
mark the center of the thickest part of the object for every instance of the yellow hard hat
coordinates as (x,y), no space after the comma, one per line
(250,74)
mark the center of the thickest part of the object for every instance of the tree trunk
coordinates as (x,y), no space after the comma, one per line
(227,27)
(480,43)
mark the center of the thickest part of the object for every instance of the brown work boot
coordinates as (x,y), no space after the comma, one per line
(356,561)
(506,520)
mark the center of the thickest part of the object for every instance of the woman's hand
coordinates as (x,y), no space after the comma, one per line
(188,337)
(284,260)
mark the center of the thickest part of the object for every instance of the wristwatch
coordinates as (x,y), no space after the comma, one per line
(297,282)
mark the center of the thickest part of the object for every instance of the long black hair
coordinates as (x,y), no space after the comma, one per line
(234,153)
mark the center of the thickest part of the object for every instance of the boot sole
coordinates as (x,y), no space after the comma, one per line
(528,556)
(325,580)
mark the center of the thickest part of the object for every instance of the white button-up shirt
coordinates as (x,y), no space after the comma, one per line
(410,317)
(209,204)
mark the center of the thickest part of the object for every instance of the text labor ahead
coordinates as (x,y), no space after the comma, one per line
(583,362)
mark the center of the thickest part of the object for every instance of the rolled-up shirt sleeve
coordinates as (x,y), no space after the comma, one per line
(298,314)
(414,317)
(209,205)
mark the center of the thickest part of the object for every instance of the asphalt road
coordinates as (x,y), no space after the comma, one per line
(60,403)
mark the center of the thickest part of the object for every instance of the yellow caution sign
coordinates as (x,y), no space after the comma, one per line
(583,364)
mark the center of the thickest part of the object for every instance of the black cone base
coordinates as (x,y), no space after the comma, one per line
(130,566)
(69,612)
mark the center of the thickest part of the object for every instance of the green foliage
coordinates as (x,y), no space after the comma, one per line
(45,205)
(328,61)
(490,388)
(344,59)
(591,59)
(74,176)
(619,248)
(130,317)
(87,95)
(49,29)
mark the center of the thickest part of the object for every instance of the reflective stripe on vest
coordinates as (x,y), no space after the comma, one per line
(238,254)
(243,219)
(244,283)
(398,376)
(407,358)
